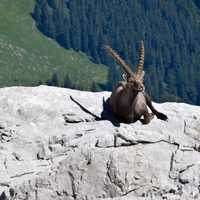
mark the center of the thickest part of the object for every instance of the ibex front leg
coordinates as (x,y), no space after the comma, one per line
(159,115)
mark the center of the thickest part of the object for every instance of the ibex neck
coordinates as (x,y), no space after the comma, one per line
(132,95)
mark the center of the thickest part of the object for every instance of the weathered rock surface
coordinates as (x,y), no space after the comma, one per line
(50,149)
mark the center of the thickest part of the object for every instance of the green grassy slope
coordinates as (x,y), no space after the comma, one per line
(27,56)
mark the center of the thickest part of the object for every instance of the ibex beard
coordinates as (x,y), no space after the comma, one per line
(129,101)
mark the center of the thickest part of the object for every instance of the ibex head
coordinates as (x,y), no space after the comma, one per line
(134,80)
(135,85)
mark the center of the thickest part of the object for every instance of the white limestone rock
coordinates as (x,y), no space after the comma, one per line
(52,149)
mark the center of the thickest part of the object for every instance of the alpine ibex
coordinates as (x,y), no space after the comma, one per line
(129,100)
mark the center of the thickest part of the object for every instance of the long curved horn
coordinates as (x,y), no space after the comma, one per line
(139,69)
(119,61)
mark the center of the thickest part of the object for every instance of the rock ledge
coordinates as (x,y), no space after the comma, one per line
(51,149)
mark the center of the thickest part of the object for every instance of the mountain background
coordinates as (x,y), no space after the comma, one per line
(63,44)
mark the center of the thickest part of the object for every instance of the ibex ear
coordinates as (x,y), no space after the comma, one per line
(142,76)
(124,76)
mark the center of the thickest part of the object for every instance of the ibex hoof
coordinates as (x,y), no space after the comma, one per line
(162,116)
(145,121)
(147,118)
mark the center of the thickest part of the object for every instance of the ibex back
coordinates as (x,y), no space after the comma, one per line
(129,100)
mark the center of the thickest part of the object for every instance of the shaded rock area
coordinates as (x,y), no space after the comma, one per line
(51,149)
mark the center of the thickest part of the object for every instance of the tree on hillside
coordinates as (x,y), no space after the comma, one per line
(54,81)
(67,82)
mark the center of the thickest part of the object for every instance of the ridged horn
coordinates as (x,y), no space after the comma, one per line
(119,61)
(140,67)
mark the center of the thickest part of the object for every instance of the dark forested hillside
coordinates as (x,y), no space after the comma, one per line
(170,30)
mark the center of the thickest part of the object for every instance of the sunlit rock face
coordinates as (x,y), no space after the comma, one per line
(51,149)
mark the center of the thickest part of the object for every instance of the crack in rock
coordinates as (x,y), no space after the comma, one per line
(23,174)
(187,167)
(133,190)
(129,141)
(113,176)
(171,175)
(4,184)
(72,118)
(6,135)
(73,186)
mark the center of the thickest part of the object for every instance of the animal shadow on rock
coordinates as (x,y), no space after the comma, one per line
(106,113)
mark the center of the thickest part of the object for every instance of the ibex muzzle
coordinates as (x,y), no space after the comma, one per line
(129,100)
